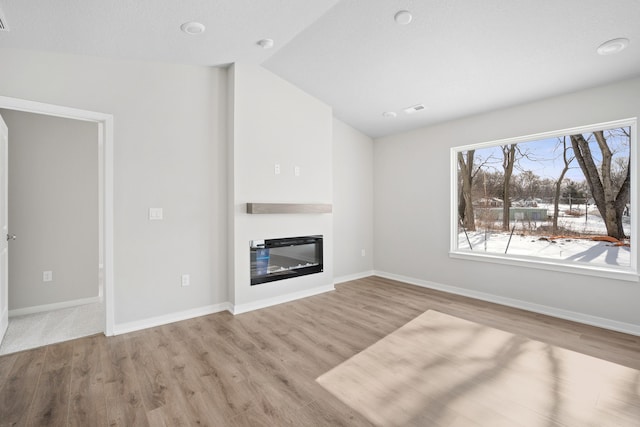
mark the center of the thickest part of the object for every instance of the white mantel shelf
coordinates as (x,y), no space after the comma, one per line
(288,208)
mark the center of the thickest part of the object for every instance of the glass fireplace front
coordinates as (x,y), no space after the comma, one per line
(279,259)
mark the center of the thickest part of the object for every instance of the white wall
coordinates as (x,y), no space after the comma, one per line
(412,210)
(53,208)
(352,202)
(169,148)
(274,122)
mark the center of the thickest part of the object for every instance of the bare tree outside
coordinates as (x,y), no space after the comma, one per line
(508,161)
(610,198)
(465,201)
(566,159)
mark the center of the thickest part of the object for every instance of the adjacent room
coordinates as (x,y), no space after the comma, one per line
(327,213)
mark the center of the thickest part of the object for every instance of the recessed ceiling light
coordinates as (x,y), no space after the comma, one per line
(192,28)
(414,108)
(613,46)
(265,43)
(389,114)
(403,17)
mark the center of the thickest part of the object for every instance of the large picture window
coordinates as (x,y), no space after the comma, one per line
(559,200)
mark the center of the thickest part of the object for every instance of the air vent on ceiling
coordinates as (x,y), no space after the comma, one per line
(414,109)
(3,22)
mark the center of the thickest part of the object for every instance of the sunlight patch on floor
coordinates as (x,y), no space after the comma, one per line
(437,367)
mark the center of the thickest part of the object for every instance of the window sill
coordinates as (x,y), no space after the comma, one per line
(626,274)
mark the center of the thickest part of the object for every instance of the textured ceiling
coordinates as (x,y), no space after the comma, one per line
(150,29)
(457,57)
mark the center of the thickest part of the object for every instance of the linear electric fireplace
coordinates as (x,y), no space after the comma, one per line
(279,259)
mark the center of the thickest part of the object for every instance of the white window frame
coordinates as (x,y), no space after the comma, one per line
(629,273)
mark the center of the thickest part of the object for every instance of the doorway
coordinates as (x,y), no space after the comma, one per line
(104,129)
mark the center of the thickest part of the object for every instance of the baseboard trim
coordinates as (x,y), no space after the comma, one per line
(54,306)
(350,277)
(601,322)
(151,322)
(268,302)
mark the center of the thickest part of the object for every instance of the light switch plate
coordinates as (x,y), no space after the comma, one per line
(155,213)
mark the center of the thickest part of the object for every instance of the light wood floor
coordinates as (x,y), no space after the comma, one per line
(254,369)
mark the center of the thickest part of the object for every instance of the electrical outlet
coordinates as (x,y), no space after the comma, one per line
(296,170)
(155,214)
(186,280)
(47,276)
(363,252)
(276,169)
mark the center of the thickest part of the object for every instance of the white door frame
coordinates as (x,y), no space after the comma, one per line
(105,149)
(4,236)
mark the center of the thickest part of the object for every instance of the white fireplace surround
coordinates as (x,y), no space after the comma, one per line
(280,181)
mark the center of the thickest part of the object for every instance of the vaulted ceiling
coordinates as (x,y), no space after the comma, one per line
(456,57)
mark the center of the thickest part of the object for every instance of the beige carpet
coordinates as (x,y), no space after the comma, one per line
(35,330)
(439,370)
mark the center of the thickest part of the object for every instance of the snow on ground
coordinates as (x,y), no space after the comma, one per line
(529,240)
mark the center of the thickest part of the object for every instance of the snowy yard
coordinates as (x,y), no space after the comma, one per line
(530,239)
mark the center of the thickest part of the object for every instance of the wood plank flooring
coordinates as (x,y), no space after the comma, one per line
(254,369)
